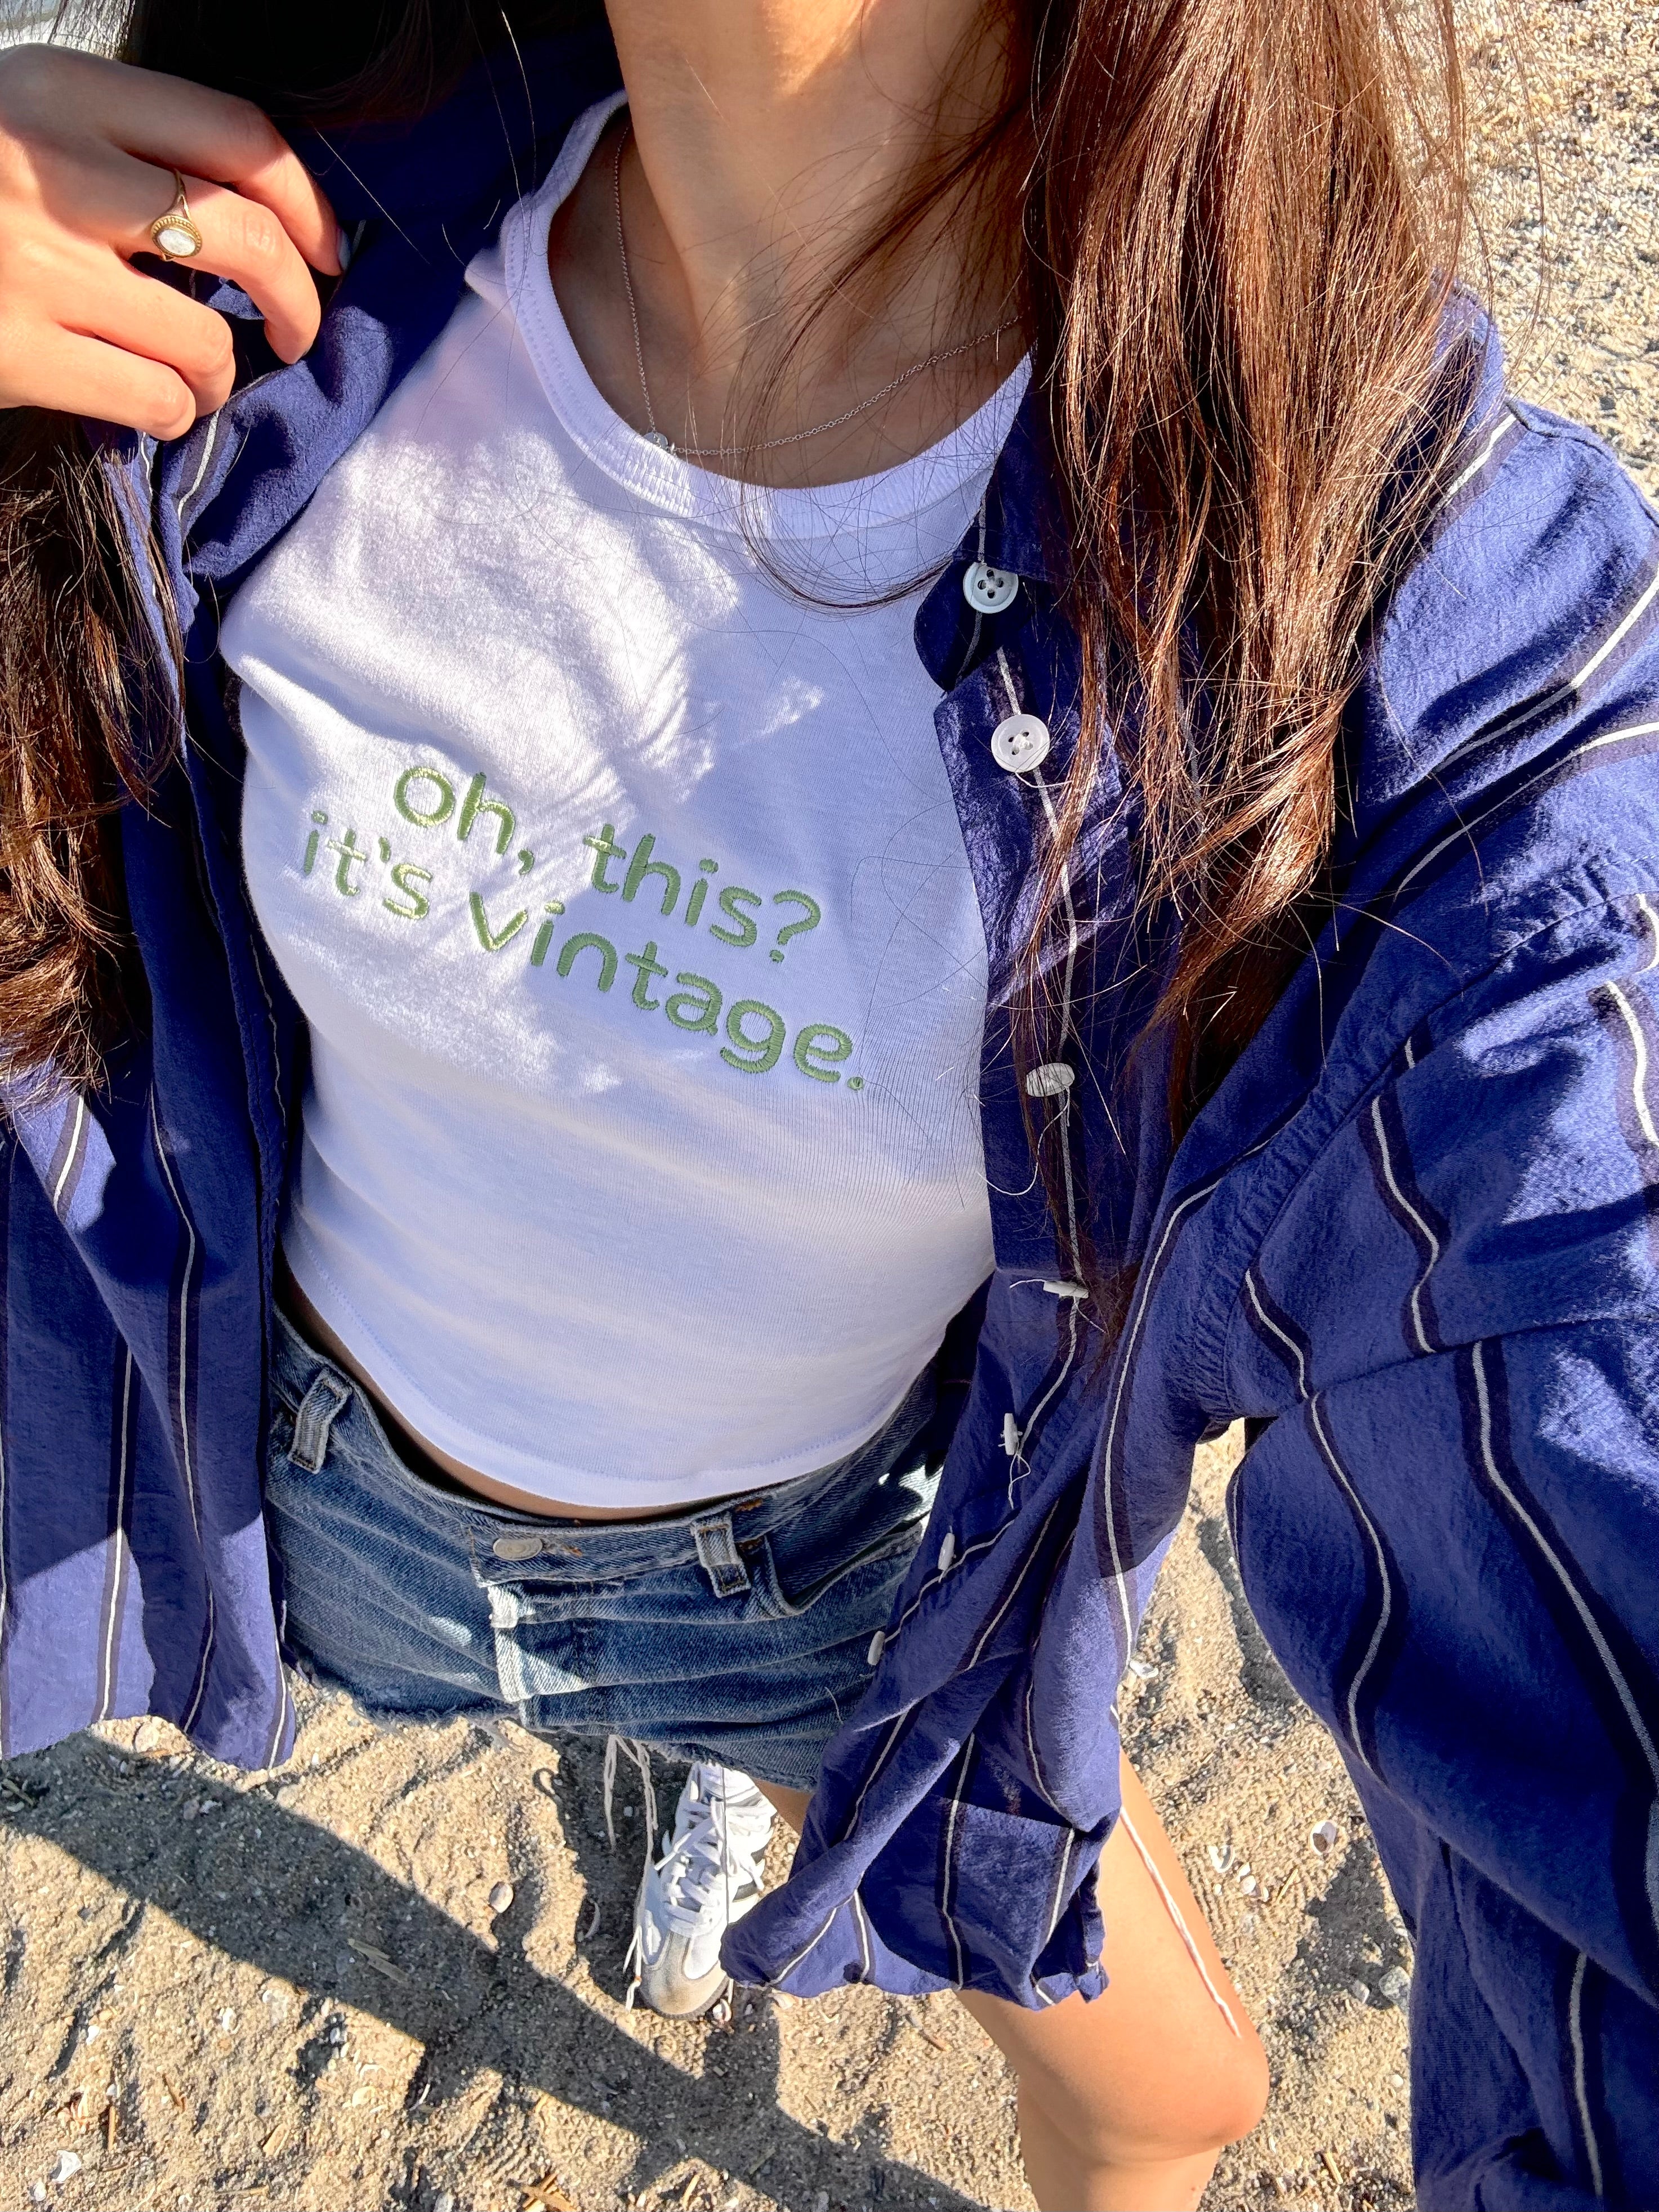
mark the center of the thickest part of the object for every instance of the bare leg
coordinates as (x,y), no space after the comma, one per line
(790,1803)
(1126,2102)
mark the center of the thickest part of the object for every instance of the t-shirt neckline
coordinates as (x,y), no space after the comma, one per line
(679,487)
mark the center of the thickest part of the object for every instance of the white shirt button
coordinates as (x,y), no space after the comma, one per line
(988,590)
(1020,743)
(516,1548)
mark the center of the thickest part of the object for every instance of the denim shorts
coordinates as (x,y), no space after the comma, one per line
(737,1632)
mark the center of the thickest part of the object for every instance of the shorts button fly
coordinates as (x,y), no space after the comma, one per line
(516,1548)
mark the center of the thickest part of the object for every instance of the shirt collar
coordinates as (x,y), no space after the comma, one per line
(1019,528)
(1023,526)
(495,134)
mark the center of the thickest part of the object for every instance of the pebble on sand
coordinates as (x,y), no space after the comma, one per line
(501,1897)
(67,2166)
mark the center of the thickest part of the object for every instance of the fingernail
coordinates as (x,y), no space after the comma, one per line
(343,248)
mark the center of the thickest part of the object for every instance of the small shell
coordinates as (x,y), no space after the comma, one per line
(1324,1838)
(1221,1856)
(501,1897)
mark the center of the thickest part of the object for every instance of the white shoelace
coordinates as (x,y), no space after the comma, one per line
(641,1755)
(714,1850)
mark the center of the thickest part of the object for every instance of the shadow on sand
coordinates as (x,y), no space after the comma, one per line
(335,1926)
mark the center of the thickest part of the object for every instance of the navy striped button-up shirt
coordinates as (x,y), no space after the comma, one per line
(1412,1241)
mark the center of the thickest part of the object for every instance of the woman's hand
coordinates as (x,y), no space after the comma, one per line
(87,148)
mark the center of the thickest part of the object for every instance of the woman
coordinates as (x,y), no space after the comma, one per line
(944,795)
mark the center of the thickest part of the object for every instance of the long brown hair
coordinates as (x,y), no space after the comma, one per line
(1246,225)
(1241,223)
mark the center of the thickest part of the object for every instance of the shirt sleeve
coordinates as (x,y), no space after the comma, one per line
(1448,1524)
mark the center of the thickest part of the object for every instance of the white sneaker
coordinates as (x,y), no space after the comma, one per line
(707,1877)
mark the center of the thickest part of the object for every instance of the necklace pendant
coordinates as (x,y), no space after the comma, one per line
(655,438)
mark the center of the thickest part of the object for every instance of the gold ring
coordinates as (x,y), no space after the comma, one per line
(176,237)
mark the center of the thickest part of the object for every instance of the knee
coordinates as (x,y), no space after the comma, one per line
(1191,2112)
(1221,2100)
(1231,2106)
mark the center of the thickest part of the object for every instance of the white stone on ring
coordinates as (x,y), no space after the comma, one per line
(174,236)
(1052,1080)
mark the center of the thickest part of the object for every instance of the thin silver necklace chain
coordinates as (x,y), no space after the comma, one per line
(660,438)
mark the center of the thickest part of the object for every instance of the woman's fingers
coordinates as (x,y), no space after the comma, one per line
(84,290)
(51,97)
(184,126)
(241,240)
(107,198)
(87,153)
(79,375)
(164,326)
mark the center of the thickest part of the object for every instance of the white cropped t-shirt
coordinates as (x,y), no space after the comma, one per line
(624,895)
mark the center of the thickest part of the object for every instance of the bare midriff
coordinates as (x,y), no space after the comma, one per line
(299,1307)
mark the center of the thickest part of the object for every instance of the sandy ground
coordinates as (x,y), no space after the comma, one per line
(224,1991)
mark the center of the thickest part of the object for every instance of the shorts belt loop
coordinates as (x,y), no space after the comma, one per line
(722,1562)
(320,1409)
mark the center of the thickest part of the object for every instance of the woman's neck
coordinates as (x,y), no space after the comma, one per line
(769,140)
